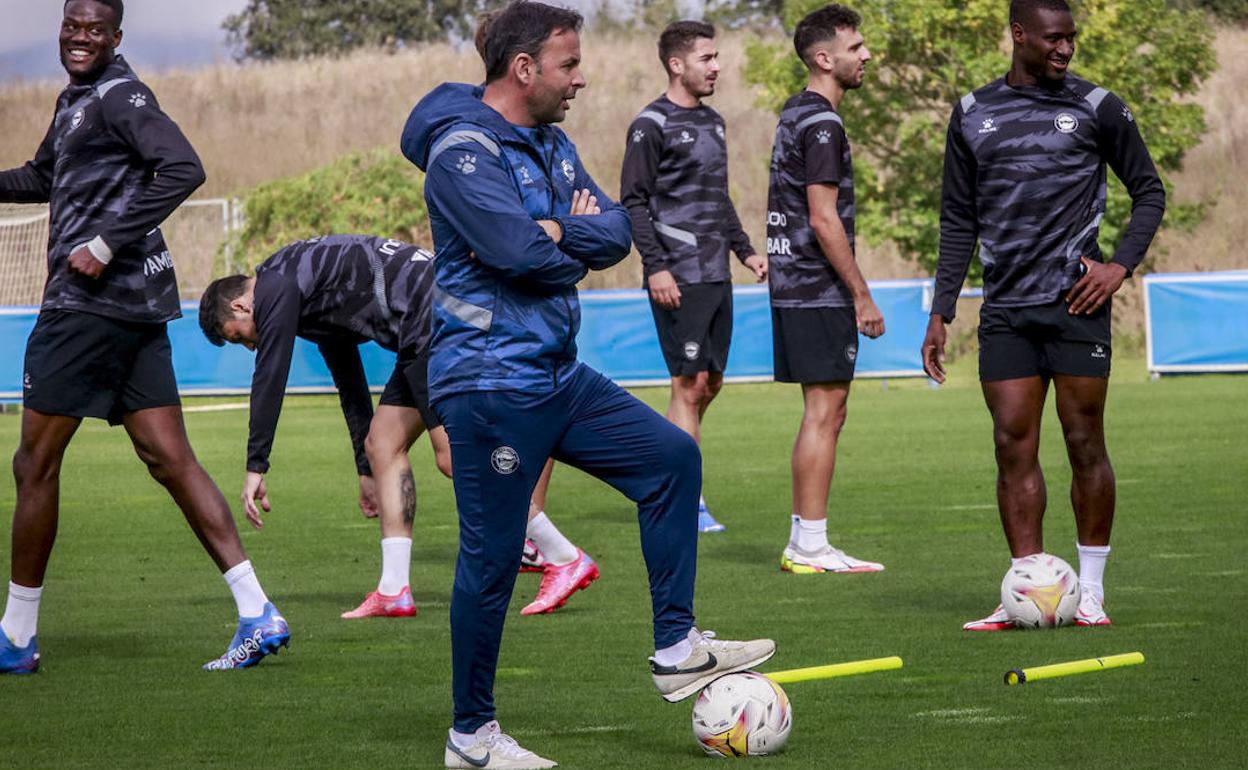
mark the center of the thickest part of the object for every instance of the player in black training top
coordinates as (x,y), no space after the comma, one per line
(675,186)
(819,300)
(340,291)
(112,166)
(1025,177)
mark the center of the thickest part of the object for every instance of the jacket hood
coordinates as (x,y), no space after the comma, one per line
(447,105)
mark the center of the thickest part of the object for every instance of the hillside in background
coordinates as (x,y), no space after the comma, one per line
(261,122)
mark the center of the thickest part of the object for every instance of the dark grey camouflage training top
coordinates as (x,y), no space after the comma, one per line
(337,291)
(811,148)
(1025,175)
(112,165)
(674,184)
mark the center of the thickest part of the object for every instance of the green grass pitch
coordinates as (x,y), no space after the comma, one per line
(133,606)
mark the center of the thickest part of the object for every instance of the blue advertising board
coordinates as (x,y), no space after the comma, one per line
(1197,322)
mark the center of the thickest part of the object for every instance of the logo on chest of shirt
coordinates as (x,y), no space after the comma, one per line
(1066,123)
(988,126)
(77,119)
(569,170)
(525,177)
(824,136)
(686,138)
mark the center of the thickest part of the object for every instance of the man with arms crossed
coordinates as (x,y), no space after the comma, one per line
(675,186)
(1025,176)
(503,375)
(112,167)
(338,292)
(819,299)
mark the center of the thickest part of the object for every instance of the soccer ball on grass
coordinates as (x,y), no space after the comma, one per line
(1040,591)
(743,714)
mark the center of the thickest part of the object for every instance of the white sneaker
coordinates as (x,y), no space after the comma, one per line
(826,559)
(997,621)
(710,659)
(494,749)
(1091,611)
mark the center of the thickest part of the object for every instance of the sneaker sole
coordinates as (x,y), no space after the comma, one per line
(787,565)
(698,684)
(994,626)
(402,612)
(581,586)
(1089,624)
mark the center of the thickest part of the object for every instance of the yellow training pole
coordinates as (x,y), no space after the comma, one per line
(834,670)
(1023,675)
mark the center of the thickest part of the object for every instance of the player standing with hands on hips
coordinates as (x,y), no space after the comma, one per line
(112,167)
(1025,175)
(819,299)
(502,186)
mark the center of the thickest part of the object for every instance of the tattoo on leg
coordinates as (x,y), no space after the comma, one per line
(407,488)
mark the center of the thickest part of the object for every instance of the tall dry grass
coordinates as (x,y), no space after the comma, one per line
(264,121)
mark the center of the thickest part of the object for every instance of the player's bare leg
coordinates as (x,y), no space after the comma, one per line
(1081,408)
(691,395)
(1016,407)
(159,437)
(813,465)
(565,568)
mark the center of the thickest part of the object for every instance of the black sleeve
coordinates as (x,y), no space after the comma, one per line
(1122,147)
(642,151)
(32,182)
(134,116)
(823,147)
(959,225)
(276,310)
(738,241)
(345,366)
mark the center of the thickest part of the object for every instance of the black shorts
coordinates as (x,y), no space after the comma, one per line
(814,344)
(1044,340)
(83,365)
(408,386)
(695,337)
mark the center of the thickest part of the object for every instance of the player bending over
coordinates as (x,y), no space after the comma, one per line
(819,299)
(112,166)
(339,291)
(1024,172)
(503,375)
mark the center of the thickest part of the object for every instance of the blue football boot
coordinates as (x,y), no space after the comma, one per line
(256,637)
(706,522)
(18,660)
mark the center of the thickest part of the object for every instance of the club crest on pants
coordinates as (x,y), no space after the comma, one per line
(851,352)
(505,460)
(691,350)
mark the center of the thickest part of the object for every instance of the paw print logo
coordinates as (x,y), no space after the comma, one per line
(467,164)
(824,136)
(719,130)
(138,99)
(638,135)
(1126,114)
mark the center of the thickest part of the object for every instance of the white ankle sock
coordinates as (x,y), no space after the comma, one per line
(396,563)
(812,534)
(245,586)
(555,548)
(21,614)
(793,520)
(465,740)
(1092,560)
(670,656)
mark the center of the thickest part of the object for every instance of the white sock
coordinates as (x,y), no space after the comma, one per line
(812,534)
(1092,560)
(794,519)
(248,594)
(673,654)
(554,547)
(21,614)
(701,501)
(465,740)
(396,563)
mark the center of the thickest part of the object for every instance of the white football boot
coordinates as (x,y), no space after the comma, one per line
(997,621)
(826,559)
(1091,611)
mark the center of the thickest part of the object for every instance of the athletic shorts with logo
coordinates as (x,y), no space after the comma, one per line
(408,385)
(1043,340)
(695,337)
(814,344)
(83,365)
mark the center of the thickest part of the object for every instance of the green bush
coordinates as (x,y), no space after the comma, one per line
(929,53)
(375,193)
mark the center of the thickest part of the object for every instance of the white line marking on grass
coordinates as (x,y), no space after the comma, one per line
(975,507)
(1172,624)
(1080,700)
(587,730)
(1182,715)
(1225,573)
(951,713)
(232,407)
(1175,555)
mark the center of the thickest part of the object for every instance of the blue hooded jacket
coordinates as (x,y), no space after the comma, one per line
(505,311)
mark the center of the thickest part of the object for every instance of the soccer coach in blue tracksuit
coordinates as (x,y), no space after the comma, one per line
(503,373)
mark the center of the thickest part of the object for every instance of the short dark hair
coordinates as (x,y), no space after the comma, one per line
(821,25)
(214,306)
(1021,10)
(118,6)
(520,27)
(679,37)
